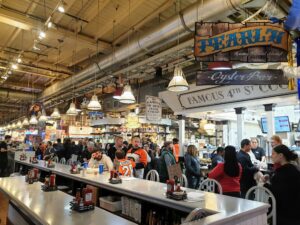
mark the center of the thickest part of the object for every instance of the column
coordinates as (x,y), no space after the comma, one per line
(240,124)
(181,137)
(270,125)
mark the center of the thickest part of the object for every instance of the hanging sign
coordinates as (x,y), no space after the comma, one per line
(240,77)
(231,94)
(153,108)
(252,42)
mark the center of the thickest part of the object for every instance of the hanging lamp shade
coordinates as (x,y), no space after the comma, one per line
(178,82)
(94,104)
(25,122)
(55,114)
(127,96)
(72,110)
(19,124)
(33,120)
(43,117)
(118,93)
(14,125)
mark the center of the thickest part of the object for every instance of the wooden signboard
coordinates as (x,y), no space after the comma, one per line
(240,77)
(253,42)
(174,171)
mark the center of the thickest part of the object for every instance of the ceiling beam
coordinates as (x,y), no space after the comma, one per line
(33,23)
(10,84)
(121,14)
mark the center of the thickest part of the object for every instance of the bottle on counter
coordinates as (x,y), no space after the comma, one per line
(52,180)
(46,181)
(87,195)
(170,186)
(78,196)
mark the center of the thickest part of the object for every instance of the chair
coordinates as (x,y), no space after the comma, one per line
(69,162)
(262,194)
(62,161)
(183,181)
(74,157)
(55,159)
(210,185)
(152,175)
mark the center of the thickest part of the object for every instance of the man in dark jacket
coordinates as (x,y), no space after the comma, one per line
(4,156)
(247,181)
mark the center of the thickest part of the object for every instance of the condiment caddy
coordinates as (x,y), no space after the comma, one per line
(23,156)
(32,176)
(50,183)
(174,191)
(33,160)
(83,200)
(50,163)
(114,177)
(75,169)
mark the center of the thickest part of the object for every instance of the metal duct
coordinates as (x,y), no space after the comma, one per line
(16,95)
(158,35)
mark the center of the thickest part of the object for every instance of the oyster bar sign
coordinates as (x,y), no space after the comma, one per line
(230,94)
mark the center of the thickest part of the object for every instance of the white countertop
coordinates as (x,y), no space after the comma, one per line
(53,207)
(226,208)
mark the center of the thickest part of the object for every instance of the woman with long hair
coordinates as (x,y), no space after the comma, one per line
(228,173)
(192,165)
(285,185)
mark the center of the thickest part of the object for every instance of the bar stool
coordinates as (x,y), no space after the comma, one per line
(152,175)
(183,181)
(210,185)
(262,194)
(62,161)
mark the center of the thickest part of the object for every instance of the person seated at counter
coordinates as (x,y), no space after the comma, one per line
(101,158)
(192,165)
(218,158)
(228,173)
(38,151)
(248,169)
(285,185)
(139,156)
(118,145)
(4,148)
(124,166)
(50,151)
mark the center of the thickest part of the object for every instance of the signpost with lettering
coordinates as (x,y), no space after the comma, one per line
(153,108)
(230,94)
(240,77)
(253,42)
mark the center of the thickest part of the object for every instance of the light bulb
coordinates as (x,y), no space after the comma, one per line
(61,7)
(19,60)
(49,24)
(14,66)
(42,35)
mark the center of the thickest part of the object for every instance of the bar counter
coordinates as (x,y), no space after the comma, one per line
(222,209)
(50,207)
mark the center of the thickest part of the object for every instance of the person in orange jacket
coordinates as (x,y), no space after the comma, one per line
(124,166)
(176,149)
(139,156)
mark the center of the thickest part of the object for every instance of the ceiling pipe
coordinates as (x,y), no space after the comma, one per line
(17,95)
(158,35)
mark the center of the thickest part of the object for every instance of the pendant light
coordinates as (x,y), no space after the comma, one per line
(127,96)
(19,124)
(13,126)
(132,120)
(55,115)
(178,82)
(94,104)
(43,117)
(33,120)
(72,110)
(25,122)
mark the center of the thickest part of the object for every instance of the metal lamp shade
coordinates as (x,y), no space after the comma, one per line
(72,110)
(178,82)
(25,122)
(94,104)
(127,96)
(33,120)
(55,114)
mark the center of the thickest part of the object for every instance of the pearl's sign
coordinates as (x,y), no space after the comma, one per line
(240,77)
(230,94)
(258,42)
